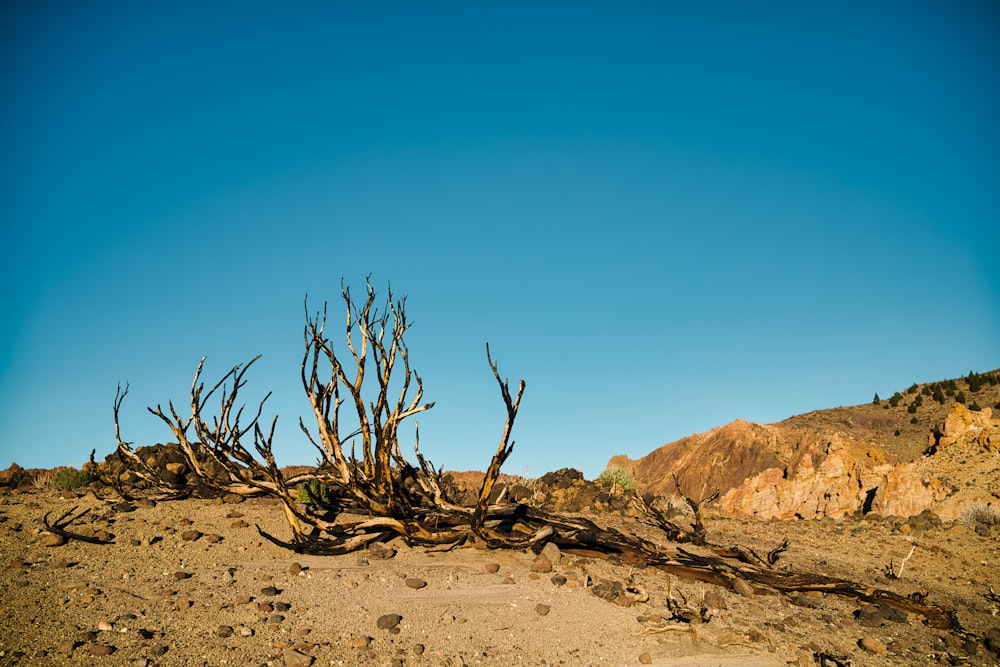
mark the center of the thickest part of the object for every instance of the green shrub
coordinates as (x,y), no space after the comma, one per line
(616,479)
(314,492)
(68,479)
(960,397)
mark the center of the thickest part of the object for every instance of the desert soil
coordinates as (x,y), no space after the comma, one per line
(193,583)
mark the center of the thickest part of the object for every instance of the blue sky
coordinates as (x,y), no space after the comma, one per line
(663,216)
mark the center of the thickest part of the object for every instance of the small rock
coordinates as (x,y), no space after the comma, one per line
(388,621)
(269,591)
(282,606)
(559,580)
(294,658)
(265,607)
(123,507)
(380,551)
(715,600)
(239,523)
(232,499)
(645,658)
(294,569)
(541,564)
(361,642)
(101,649)
(551,551)
(225,631)
(191,535)
(993,639)
(59,563)
(542,609)
(66,647)
(104,626)
(418,649)
(213,539)
(873,646)
(743,588)
(414,582)
(181,576)
(492,568)
(508,580)
(52,540)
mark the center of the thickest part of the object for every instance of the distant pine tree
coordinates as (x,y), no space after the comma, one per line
(876,400)
(960,397)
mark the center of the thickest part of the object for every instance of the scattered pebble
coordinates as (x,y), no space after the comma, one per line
(743,588)
(269,591)
(294,569)
(645,658)
(542,609)
(873,646)
(295,658)
(414,582)
(52,540)
(101,649)
(388,621)
(492,568)
(541,564)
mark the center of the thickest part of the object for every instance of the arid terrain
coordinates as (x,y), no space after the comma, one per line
(193,582)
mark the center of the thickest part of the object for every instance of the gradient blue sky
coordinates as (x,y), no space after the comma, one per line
(663,216)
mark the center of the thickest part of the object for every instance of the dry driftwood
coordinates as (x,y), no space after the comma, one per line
(397,499)
(58,527)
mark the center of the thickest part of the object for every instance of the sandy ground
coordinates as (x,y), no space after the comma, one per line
(155,596)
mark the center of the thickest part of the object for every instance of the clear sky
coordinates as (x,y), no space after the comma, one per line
(663,216)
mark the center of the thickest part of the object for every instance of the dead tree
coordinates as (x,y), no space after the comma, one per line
(380,494)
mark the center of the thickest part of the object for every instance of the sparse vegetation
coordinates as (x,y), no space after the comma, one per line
(617,480)
(960,397)
(314,492)
(69,479)
(980,514)
(876,400)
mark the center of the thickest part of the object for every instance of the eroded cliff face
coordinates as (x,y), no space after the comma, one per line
(773,471)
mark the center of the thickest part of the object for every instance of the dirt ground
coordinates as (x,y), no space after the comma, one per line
(193,583)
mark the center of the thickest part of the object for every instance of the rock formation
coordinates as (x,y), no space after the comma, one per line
(784,471)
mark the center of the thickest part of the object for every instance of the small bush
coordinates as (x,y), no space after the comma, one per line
(616,479)
(979,514)
(314,492)
(68,479)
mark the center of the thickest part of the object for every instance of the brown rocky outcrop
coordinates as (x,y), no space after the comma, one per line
(783,471)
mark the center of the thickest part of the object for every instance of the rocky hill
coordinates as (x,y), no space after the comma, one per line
(933,446)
